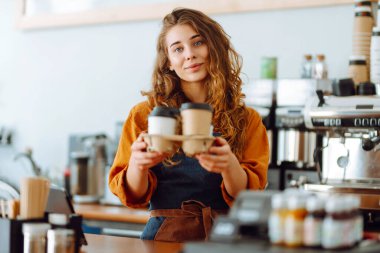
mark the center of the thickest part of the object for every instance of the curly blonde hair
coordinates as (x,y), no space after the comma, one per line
(223,81)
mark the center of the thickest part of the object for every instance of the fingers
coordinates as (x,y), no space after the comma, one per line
(139,146)
(142,159)
(220,141)
(213,163)
(146,160)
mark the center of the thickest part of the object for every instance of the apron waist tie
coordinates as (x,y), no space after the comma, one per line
(191,208)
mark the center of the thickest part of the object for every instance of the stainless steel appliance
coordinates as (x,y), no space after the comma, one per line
(350,157)
(295,144)
(88,156)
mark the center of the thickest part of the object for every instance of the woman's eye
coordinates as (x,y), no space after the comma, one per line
(198,43)
(178,50)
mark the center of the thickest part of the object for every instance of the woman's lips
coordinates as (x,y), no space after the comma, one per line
(194,67)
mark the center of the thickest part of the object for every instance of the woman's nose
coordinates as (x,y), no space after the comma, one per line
(190,54)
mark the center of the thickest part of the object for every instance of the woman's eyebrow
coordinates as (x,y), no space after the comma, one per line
(191,38)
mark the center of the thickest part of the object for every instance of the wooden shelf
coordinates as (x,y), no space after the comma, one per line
(141,11)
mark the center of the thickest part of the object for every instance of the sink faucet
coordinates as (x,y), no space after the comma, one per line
(28,155)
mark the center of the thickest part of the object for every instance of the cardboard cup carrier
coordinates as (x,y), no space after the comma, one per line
(196,129)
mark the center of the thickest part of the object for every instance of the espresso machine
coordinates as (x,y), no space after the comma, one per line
(296,143)
(350,159)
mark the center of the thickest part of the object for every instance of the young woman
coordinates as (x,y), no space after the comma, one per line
(195,63)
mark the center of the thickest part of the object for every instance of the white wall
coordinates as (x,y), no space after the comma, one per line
(83,79)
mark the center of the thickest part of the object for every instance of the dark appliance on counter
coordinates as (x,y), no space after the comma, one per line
(88,160)
(295,143)
(350,151)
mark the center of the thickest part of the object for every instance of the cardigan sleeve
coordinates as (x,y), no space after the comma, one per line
(255,158)
(135,124)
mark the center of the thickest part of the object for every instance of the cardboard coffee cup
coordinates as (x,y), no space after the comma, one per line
(196,119)
(162,121)
(196,127)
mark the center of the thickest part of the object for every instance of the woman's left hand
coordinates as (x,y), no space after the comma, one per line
(219,158)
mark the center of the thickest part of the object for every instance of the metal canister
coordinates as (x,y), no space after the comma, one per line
(35,237)
(61,241)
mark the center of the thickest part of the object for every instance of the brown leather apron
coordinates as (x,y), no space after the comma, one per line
(190,223)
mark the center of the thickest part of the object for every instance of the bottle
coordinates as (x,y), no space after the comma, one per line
(357,218)
(312,233)
(277,219)
(307,66)
(334,225)
(320,68)
(294,220)
(35,237)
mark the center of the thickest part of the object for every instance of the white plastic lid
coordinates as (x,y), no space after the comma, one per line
(296,202)
(35,228)
(362,9)
(376,29)
(335,204)
(357,58)
(352,202)
(58,219)
(315,204)
(278,201)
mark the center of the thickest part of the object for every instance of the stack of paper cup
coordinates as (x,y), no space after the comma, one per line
(372,4)
(375,55)
(363,24)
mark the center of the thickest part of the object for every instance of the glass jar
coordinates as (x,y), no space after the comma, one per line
(35,237)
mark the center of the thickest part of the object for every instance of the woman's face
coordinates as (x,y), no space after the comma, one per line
(187,53)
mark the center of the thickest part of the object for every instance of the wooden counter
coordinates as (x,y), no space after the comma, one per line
(112,220)
(112,213)
(115,244)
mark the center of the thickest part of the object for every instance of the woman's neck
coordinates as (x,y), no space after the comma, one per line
(196,92)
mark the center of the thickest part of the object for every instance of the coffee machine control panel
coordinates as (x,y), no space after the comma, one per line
(343,112)
(356,122)
(290,117)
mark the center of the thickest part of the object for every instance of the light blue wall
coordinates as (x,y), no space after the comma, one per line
(55,82)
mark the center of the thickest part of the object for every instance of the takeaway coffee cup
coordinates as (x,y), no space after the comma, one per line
(196,127)
(196,119)
(162,122)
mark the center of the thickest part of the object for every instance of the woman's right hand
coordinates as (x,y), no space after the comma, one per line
(141,159)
